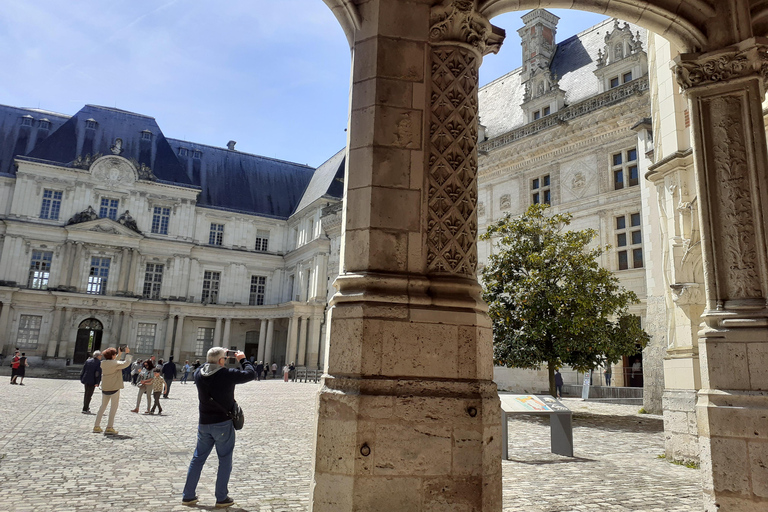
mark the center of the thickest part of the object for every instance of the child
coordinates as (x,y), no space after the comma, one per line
(157,388)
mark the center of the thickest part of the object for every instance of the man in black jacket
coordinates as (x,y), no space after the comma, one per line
(169,373)
(90,376)
(216,393)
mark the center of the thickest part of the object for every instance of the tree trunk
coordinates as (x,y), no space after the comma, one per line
(551,372)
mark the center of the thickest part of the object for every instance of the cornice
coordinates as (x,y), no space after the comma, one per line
(672,162)
(743,60)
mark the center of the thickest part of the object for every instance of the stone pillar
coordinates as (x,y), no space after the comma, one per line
(53,340)
(76,266)
(268,343)
(179,331)
(725,89)
(130,287)
(121,278)
(262,339)
(169,344)
(408,413)
(217,333)
(302,353)
(313,343)
(225,334)
(292,343)
(66,334)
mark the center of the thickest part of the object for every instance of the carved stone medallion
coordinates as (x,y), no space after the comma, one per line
(113,171)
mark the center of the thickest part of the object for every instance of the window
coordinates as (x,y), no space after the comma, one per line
(541,191)
(627,77)
(546,111)
(44,124)
(97,278)
(536,115)
(29,331)
(614,82)
(51,204)
(183,152)
(108,208)
(146,135)
(145,338)
(161,216)
(625,171)
(90,124)
(153,281)
(40,270)
(216,236)
(197,154)
(211,282)
(258,290)
(204,340)
(26,121)
(629,241)
(262,240)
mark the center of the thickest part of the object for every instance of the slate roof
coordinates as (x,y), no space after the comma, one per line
(327,181)
(574,62)
(18,139)
(228,179)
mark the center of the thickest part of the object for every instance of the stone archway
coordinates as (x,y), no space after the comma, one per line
(89,334)
(397,416)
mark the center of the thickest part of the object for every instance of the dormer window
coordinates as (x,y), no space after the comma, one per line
(614,82)
(183,152)
(197,154)
(26,121)
(146,135)
(90,124)
(627,77)
(44,124)
(537,115)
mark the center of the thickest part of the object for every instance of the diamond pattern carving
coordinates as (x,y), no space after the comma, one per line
(452,224)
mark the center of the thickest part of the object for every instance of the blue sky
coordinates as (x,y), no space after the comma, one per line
(274,76)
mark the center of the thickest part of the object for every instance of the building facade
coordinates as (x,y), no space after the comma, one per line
(563,130)
(111,233)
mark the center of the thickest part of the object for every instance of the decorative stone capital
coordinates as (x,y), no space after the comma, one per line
(748,58)
(458,22)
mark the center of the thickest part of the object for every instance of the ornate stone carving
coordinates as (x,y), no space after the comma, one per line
(86,215)
(748,58)
(85,162)
(113,171)
(126,220)
(457,21)
(117,147)
(105,229)
(452,189)
(735,223)
(505,202)
(480,209)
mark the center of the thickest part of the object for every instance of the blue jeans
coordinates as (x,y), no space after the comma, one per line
(221,435)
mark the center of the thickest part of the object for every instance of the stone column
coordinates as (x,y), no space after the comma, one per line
(408,413)
(66,334)
(179,331)
(130,287)
(121,278)
(225,334)
(217,333)
(76,268)
(725,89)
(313,343)
(293,331)
(53,340)
(268,343)
(262,339)
(168,346)
(302,354)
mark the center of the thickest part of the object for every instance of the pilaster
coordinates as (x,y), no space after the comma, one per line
(408,414)
(725,90)
(301,356)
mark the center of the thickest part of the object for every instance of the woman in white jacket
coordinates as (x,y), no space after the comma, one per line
(111,384)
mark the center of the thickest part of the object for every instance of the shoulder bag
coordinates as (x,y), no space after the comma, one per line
(236,414)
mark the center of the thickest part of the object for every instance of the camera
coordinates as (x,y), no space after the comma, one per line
(231,353)
(122,347)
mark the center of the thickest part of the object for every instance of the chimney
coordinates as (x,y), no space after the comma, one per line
(231,145)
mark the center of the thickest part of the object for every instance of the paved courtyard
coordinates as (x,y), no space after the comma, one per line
(51,461)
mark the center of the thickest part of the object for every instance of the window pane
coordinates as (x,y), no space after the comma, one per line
(632,155)
(623,264)
(627,77)
(614,82)
(40,270)
(547,199)
(536,198)
(621,240)
(618,179)
(635,219)
(145,338)
(546,180)
(546,111)
(617,159)
(636,238)
(621,222)
(536,115)
(29,331)
(633,176)
(535,184)
(637,258)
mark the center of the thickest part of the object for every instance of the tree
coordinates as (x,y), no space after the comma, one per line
(549,299)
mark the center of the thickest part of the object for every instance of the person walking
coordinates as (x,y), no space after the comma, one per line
(90,377)
(186,368)
(22,369)
(111,384)
(608,374)
(158,382)
(145,386)
(286,372)
(558,383)
(15,366)
(169,373)
(274,370)
(135,369)
(216,394)
(259,370)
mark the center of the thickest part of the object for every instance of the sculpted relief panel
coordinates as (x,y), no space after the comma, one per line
(578,179)
(113,171)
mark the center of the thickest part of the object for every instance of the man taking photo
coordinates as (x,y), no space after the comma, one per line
(216,393)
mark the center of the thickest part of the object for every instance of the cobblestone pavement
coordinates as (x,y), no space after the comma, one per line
(51,461)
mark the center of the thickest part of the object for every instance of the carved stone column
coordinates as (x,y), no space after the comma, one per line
(262,338)
(408,414)
(725,90)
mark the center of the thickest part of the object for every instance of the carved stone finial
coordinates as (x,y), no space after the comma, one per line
(117,147)
(458,22)
(738,61)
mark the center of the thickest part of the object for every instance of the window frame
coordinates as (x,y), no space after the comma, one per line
(153,280)
(211,287)
(204,340)
(39,269)
(24,338)
(143,343)
(97,284)
(161,219)
(50,206)
(631,252)
(625,169)
(216,234)
(108,208)
(258,291)
(541,189)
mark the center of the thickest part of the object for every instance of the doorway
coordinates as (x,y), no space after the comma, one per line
(88,339)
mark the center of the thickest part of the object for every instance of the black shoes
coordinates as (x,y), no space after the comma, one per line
(227,502)
(189,502)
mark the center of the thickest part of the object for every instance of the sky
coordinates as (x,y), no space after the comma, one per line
(271,75)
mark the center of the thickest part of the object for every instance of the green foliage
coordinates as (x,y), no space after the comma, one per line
(549,299)
(642,411)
